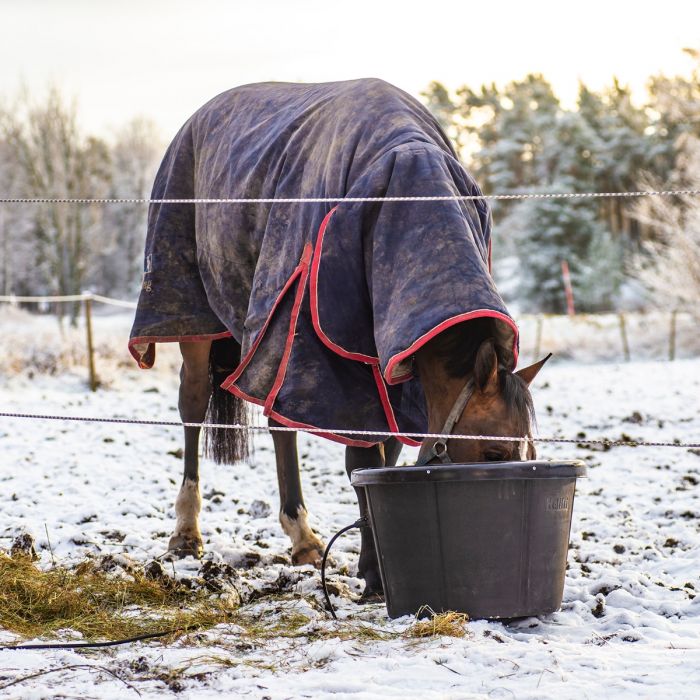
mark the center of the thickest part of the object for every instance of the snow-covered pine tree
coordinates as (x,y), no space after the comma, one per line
(510,125)
(549,231)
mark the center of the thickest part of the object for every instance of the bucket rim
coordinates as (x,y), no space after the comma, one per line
(475,471)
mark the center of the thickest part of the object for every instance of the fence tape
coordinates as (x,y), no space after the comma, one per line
(12,299)
(353,200)
(605,442)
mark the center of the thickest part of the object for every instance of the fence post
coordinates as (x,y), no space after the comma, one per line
(538,338)
(672,337)
(87,301)
(566,276)
(623,335)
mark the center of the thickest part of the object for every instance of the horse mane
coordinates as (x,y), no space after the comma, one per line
(458,346)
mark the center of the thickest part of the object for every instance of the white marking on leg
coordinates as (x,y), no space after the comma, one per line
(305,543)
(187,507)
(524,450)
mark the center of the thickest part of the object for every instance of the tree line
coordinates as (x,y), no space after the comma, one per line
(64,249)
(519,139)
(516,138)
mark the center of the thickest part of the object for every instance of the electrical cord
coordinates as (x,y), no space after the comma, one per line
(97,645)
(361,522)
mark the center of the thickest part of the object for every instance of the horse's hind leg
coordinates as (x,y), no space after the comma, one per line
(307,548)
(195,390)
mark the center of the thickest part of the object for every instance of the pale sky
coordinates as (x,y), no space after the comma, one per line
(163,59)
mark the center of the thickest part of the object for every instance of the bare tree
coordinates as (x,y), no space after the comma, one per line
(669,264)
(135,156)
(57,161)
(16,253)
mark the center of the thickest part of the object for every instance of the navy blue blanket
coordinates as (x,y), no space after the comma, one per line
(329,303)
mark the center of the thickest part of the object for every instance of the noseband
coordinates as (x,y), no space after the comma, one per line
(439,448)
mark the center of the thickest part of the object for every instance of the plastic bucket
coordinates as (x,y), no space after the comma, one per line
(488,539)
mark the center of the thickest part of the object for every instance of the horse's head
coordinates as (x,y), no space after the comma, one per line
(478,398)
(500,404)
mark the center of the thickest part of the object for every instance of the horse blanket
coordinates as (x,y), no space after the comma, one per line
(328,302)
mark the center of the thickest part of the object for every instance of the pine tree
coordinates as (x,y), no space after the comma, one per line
(511,125)
(549,231)
(626,150)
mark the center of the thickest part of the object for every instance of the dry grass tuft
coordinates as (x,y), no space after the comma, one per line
(98,605)
(447,624)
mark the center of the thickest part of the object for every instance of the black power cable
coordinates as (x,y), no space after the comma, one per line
(362,522)
(97,645)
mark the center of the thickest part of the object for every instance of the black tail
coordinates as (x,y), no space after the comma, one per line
(225,446)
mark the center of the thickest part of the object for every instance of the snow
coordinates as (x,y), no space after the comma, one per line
(629,626)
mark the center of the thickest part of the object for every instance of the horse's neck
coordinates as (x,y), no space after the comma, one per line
(441,390)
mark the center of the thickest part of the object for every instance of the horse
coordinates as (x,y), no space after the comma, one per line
(371,315)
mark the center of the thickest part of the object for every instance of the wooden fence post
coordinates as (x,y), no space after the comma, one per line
(623,335)
(568,289)
(538,339)
(87,301)
(672,337)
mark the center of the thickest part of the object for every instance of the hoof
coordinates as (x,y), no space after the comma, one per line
(181,546)
(308,555)
(371,597)
(374,590)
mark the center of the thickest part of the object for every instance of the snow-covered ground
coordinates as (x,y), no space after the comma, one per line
(629,626)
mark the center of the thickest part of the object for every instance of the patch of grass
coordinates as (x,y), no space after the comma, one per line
(447,624)
(103,606)
(36,603)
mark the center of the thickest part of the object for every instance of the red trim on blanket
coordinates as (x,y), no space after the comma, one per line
(388,410)
(294,424)
(436,330)
(330,436)
(370,360)
(315,265)
(299,270)
(294,317)
(302,271)
(153,339)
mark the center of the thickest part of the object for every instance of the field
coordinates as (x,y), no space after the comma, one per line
(629,626)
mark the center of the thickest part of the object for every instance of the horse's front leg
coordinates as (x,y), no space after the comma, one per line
(307,548)
(195,390)
(382,455)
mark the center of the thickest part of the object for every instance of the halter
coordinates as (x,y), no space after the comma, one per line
(439,448)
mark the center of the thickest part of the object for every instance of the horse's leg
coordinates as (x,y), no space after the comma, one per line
(195,390)
(368,565)
(307,548)
(392,450)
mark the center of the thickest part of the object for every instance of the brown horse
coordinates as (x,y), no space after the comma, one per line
(368,315)
(499,404)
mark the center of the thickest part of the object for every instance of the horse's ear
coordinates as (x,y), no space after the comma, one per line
(486,368)
(527,374)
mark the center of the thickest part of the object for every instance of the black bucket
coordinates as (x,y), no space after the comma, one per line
(488,539)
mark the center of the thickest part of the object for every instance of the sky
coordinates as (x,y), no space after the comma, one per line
(164,59)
